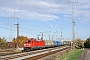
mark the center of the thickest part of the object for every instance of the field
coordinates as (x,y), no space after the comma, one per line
(72,55)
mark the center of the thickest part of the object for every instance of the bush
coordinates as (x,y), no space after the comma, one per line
(2,42)
(87,43)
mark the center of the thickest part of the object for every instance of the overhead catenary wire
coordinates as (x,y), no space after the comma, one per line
(5,15)
(7,28)
(14,30)
(20,9)
(26,28)
(11,20)
(14,9)
(23,27)
(4,23)
(25,31)
(20,5)
(30,33)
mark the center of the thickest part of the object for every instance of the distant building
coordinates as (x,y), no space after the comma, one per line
(83,41)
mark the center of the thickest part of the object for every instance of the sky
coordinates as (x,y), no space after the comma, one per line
(47,16)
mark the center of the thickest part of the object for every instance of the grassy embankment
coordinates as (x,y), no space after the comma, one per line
(10,52)
(72,55)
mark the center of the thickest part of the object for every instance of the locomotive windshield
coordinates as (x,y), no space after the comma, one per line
(26,42)
(29,41)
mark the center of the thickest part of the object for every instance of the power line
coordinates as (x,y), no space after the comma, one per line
(28,28)
(25,28)
(20,26)
(15,30)
(20,8)
(14,8)
(7,28)
(4,23)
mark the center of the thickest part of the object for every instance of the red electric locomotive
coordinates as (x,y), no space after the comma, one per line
(32,44)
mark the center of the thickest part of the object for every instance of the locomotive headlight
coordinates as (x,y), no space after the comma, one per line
(29,44)
(24,44)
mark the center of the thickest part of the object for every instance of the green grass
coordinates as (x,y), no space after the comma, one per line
(72,55)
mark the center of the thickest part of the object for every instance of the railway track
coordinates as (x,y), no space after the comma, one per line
(33,55)
(46,53)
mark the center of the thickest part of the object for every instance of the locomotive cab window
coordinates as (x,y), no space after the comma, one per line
(29,41)
(26,42)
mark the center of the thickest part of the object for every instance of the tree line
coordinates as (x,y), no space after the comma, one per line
(2,42)
(83,44)
(87,43)
(13,44)
(21,39)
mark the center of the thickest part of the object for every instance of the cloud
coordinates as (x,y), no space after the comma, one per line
(31,10)
(42,17)
(39,4)
(45,10)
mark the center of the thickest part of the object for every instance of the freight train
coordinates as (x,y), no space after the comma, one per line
(33,44)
